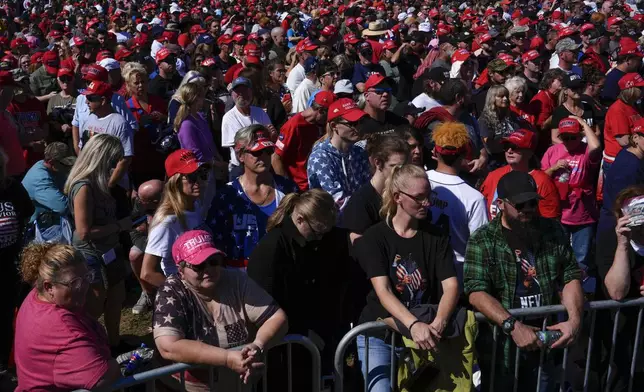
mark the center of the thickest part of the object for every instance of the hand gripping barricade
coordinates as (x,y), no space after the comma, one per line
(590,341)
(148,378)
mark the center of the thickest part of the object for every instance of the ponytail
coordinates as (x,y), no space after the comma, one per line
(283,210)
(398,177)
(182,113)
(316,205)
(187,95)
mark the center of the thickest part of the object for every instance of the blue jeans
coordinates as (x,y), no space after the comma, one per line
(605,167)
(582,240)
(379,363)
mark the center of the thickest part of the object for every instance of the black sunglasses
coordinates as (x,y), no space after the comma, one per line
(65,79)
(261,152)
(199,175)
(94,98)
(567,137)
(508,146)
(200,268)
(530,204)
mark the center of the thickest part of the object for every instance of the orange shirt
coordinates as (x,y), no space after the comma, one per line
(548,205)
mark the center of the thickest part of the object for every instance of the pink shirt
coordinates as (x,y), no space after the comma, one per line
(578,205)
(56,349)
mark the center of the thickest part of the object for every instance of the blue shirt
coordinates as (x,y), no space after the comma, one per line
(611,88)
(81,113)
(362,72)
(239,224)
(45,189)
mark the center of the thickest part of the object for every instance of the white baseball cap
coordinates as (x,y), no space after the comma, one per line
(110,64)
(343,86)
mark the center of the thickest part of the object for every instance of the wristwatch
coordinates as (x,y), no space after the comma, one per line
(508,325)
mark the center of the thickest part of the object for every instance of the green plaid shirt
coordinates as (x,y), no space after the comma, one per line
(491,267)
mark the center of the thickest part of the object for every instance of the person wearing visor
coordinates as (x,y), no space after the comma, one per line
(365,66)
(336,164)
(240,210)
(524,246)
(168,80)
(203,310)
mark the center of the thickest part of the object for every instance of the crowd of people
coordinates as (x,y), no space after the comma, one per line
(257,168)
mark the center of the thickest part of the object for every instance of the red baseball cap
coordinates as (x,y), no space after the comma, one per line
(209,62)
(96,73)
(56,34)
(569,125)
(536,42)
(324,98)
(122,54)
(36,58)
(15,43)
(65,72)
(522,138)
(586,26)
(628,46)
(345,108)
(329,31)
(163,54)
(485,38)
(103,54)
(225,39)
(239,37)
(262,142)
(252,53)
(461,55)
(350,39)
(613,20)
(194,247)
(390,45)
(51,62)
(99,88)
(631,80)
(197,29)
(78,41)
(181,161)
(638,127)
(373,81)
(530,56)
(566,32)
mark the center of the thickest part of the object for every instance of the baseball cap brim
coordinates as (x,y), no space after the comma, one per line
(523,197)
(51,70)
(203,255)
(189,168)
(261,145)
(353,115)
(68,161)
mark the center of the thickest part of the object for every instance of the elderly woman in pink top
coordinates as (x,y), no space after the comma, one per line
(59,346)
(573,165)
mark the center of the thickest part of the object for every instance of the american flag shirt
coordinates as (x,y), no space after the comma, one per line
(241,308)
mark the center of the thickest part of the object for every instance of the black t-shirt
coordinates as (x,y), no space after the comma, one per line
(225,65)
(392,120)
(408,65)
(15,210)
(415,266)
(164,88)
(363,209)
(599,110)
(533,88)
(561,112)
(528,291)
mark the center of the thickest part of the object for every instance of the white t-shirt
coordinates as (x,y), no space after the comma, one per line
(156,46)
(295,77)
(233,121)
(463,207)
(163,235)
(425,101)
(113,124)
(302,94)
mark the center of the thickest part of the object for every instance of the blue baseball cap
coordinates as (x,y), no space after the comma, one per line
(241,81)
(310,64)
(205,39)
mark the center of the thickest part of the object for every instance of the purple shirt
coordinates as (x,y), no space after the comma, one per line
(194,135)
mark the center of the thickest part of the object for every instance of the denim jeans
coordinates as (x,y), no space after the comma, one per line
(379,363)
(605,167)
(582,237)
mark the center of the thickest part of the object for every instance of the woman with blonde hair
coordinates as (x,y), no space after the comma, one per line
(497,122)
(179,211)
(409,262)
(175,102)
(150,112)
(96,233)
(59,346)
(570,105)
(302,237)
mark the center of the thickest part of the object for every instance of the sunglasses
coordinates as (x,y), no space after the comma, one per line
(381,91)
(530,204)
(510,146)
(94,98)
(567,137)
(520,36)
(65,79)
(199,175)
(422,200)
(210,262)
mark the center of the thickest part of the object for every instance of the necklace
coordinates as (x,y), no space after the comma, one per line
(575,111)
(263,202)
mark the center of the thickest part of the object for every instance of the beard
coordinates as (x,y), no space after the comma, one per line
(242,102)
(527,231)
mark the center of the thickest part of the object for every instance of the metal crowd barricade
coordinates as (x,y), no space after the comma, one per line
(149,377)
(544,311)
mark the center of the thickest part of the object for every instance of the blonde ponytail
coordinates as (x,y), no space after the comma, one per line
(316,205)
(396,180)
(283,210)
(187,95)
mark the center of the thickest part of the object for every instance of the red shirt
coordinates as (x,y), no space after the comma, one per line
(31,115)
(147,163)
(524,113)
(548,205)
(542,106)
(184,40)
(377,50)
(294,145)
(58,350)
(10,143)
(620,119)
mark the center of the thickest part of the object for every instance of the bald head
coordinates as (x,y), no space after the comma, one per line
(150,192)
(278,35)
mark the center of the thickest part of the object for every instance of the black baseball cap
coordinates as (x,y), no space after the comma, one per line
(438,74)
(573,81)
(517,187)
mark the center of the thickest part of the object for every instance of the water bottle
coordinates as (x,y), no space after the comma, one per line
(549,337)
(134,362)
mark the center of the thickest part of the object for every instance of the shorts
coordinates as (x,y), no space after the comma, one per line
(139,240)
(108,275)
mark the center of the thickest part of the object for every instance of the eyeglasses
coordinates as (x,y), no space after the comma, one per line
(199,175)
(530,204)
(317,234)
(331,74)
(567,137)
(77,283)
(418,199)
(94,98)
(200,268)
(347,124)
(381,91)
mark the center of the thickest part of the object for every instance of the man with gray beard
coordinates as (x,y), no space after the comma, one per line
(522,260)
(240,116)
